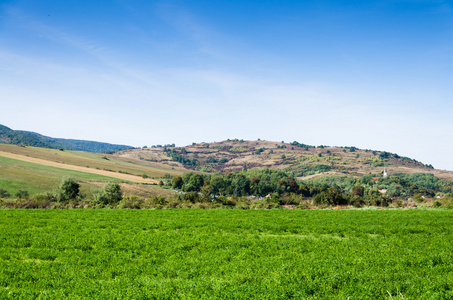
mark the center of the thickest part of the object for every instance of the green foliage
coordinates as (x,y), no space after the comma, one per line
(222,161)
(330,197)
(226,254)
(17,137)
(4,193)
(111,194)
(258,151)
(384,155)
(239,149)
(177,182)
(307,169)
(297,144)
(358,190)
(22,194)
(174,155)
(196,181)
(69,189)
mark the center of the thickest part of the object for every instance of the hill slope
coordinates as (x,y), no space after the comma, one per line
(38,170)
(299,160)
(19,137)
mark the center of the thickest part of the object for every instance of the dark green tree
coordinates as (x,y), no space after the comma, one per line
(217,184)
(358,190)
(196,180)
(177,182)
(69,189)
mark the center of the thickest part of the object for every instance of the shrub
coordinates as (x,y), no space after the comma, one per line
(33,203)
(47,196)
(177,182)
(331,197)
(21,194)
(378,200)
(69,189)
(4,193)
(264,204)
(358,190)
(190,197)
(157,202)
(111,194)
(227,201)
(357,201)
(132,202)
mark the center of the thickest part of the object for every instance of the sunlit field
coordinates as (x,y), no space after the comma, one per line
(225,254)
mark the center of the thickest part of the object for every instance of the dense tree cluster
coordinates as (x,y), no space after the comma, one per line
(333,190)
(301,145)
(176,156)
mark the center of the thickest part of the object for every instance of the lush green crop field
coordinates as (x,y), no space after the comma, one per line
(226,254)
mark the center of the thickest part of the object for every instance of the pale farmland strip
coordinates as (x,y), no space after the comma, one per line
(78,168)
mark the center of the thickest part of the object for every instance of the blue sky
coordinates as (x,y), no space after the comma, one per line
(371,74)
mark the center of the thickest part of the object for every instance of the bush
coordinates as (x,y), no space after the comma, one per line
(4,193)
(356,201)
(230,201)
(111,194)
(132,202)
(177,182)
(69,189)
(358,190)
(190,197)
(157,202)
(47,196)
(378,200)
(21,194)
(264,204)
(331,197)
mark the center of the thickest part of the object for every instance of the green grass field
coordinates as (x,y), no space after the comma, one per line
(36,178)
(226,254)
(92,160)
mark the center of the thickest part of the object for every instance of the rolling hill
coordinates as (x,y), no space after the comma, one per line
(38,170)
(299,160)
(19,137)
(139,170)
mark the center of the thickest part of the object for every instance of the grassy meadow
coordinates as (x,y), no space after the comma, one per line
(93,160)
(226,254)
(16,175)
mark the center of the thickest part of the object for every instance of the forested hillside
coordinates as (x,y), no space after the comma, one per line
(19,137)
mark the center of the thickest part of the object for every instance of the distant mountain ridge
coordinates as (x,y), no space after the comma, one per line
(20,137)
